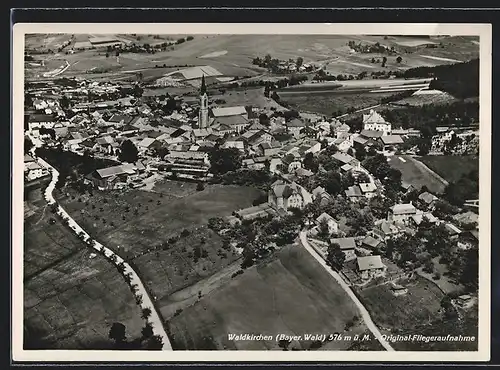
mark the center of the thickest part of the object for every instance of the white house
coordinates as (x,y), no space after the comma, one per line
(333,226)
(33,171)
(373,121)
(283,195)
(401,212)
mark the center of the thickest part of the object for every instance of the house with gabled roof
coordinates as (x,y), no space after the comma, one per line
(347,245)
(370,266)
(295,127)
(401,212)
(333,224)
(284,195)
(374,121)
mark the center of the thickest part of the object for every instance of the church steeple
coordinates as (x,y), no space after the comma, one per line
(203,88)
(203,114)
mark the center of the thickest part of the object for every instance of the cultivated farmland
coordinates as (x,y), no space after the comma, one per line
(451,167)
(164,233)
(415,173)
(289,294)
(70,298)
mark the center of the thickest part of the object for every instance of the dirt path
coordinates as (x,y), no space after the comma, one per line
(188,296)
(364,312)
(147,302)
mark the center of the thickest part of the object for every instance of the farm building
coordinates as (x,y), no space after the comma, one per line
(347,245)
(370,266)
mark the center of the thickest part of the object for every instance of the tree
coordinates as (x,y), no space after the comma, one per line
(310,163)
(284,343)
(155,342)
(200,186)
(117,333)
(28,144)
(360,152)
(323,228)
(399,59)
(147,331)
(299,61)
(146,313)
(224,160)
(384,61)
(128,152)
(65,103)
(335,256)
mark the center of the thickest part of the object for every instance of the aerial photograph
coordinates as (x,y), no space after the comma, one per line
(251,192)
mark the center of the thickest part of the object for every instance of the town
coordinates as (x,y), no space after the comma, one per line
(350,205)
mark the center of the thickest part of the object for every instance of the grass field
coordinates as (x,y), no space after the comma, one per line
(167,265)
(417,175)
(289,294)
(249,96)
(232,54)
(420,305)
(328,103)
(70,299)
(451,167)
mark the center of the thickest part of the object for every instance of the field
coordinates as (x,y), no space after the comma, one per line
(446,284)
(152,234)
(289,294)
(70,299)
(417,312)
(414,173)
(421,99)
(330,103)
(451,167)
(249,96)
(232,54)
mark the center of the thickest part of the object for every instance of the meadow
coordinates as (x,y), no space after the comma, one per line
(414,173)
(290,294)
(163,233)
(71,297)
(451,167)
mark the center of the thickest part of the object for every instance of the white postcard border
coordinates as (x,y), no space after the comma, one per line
(469,29)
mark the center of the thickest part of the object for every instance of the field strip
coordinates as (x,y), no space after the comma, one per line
(427,169)
(364,312)
(154,319)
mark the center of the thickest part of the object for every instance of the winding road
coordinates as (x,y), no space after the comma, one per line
(364,312)
(154,318)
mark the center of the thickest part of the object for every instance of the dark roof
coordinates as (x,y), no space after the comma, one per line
(116,118)
(42,118)
(372,134)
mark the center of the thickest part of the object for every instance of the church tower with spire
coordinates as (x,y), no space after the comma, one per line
(203,115)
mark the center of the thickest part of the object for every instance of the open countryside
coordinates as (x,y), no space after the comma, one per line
(181,188)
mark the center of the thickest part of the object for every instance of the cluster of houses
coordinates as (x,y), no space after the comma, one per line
(33,170)
(466,141)
(179,143)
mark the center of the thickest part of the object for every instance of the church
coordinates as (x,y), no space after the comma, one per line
(223,119)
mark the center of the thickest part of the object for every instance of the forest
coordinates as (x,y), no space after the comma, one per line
(460,80)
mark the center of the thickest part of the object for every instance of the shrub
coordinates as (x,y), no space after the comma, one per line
(185,233)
